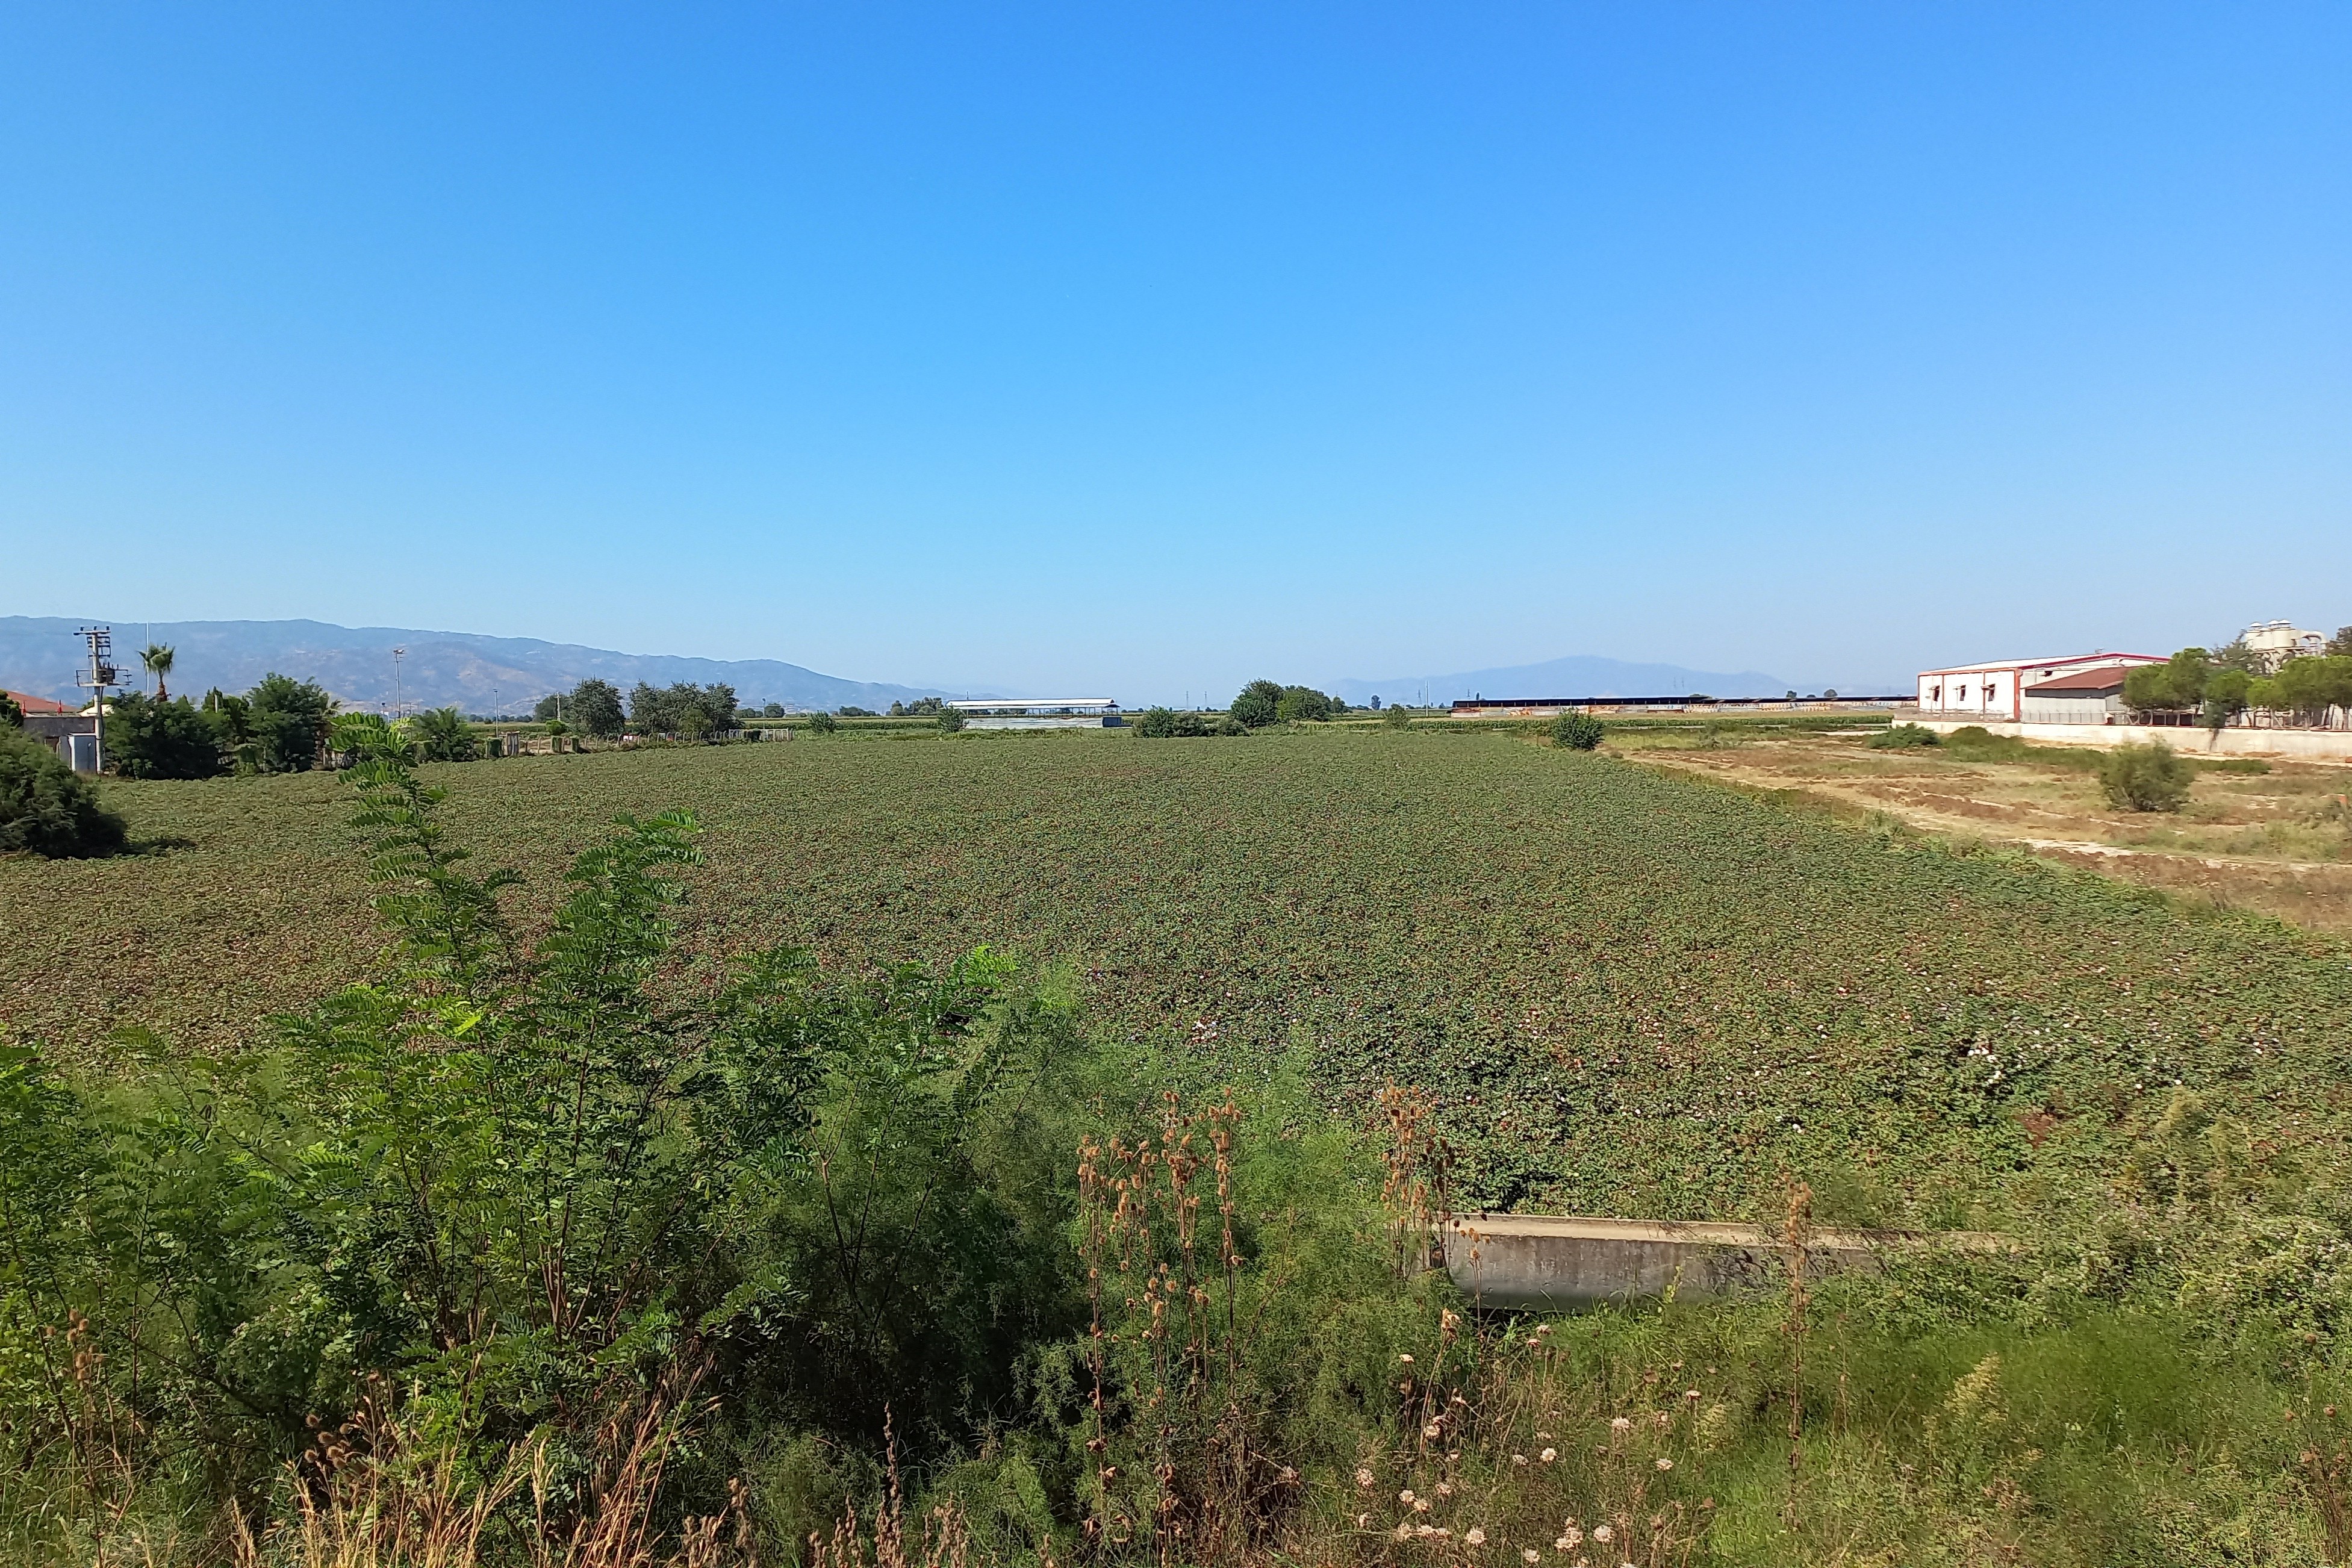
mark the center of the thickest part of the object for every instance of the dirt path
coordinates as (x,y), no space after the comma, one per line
(2313,893)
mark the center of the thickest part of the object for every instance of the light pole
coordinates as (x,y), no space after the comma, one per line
(399,702)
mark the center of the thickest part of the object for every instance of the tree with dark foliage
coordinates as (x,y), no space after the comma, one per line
(1258,704)
(595,709)
(287,718)
(157,740)
(47,808)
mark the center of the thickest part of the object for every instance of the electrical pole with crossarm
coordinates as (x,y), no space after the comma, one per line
(98,678)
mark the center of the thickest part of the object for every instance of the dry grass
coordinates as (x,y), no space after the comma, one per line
(371,1493)
(2278,843)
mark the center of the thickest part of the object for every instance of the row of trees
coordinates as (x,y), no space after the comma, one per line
(2199,685)
(277,727)
(1259,704)
(281,725)
(681,711)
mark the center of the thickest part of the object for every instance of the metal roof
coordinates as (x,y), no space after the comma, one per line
(2107,677)
(2065,662)
(991,703)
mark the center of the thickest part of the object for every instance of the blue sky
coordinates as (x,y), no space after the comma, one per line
(1150,348)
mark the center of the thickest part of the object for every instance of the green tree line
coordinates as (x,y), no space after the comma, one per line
(2213,688)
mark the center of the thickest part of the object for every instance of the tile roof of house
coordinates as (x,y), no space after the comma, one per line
(32,704)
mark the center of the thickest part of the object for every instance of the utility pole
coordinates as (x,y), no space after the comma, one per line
(399,702)
(101,675)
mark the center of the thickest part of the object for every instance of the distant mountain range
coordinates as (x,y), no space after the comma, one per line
(1578,675)
(39,654)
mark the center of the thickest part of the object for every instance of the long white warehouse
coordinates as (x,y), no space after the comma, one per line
(2000,689)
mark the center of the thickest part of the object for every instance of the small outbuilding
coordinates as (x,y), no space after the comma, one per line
(2093,695)
(58,725)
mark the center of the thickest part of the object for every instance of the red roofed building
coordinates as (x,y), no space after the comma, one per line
(41,705)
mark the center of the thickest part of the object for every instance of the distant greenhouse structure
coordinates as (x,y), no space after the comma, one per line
(1039,713)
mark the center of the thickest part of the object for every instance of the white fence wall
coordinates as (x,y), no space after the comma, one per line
(2310,745)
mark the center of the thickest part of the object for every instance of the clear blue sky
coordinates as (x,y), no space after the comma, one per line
(1140,349)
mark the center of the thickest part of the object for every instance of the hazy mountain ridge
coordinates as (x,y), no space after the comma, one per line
(482,674)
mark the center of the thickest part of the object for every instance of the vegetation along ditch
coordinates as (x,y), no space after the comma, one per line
(1016,1147)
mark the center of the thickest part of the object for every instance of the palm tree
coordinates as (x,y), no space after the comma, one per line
(158,660)
(443,735)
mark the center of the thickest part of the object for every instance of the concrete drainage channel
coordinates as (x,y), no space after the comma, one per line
(1559,1263)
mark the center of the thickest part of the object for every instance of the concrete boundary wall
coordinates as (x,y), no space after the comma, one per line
(2302,745)
(1554,1263)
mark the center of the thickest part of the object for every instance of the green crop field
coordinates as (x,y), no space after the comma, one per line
(1630,992)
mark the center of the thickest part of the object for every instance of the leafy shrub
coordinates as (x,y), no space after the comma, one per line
(951,720)
(444,736)
(2145,778)
(12,712)
(151,740)
(2273,1280)
(1302,704)
(1258,705)
(1898,737)
(1577,731)
(1162,724)
(521,1185)
(1398,718)
(1975,743)
(823,723)
(49,809)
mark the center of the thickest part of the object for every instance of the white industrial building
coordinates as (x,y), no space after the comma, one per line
(2002,690)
